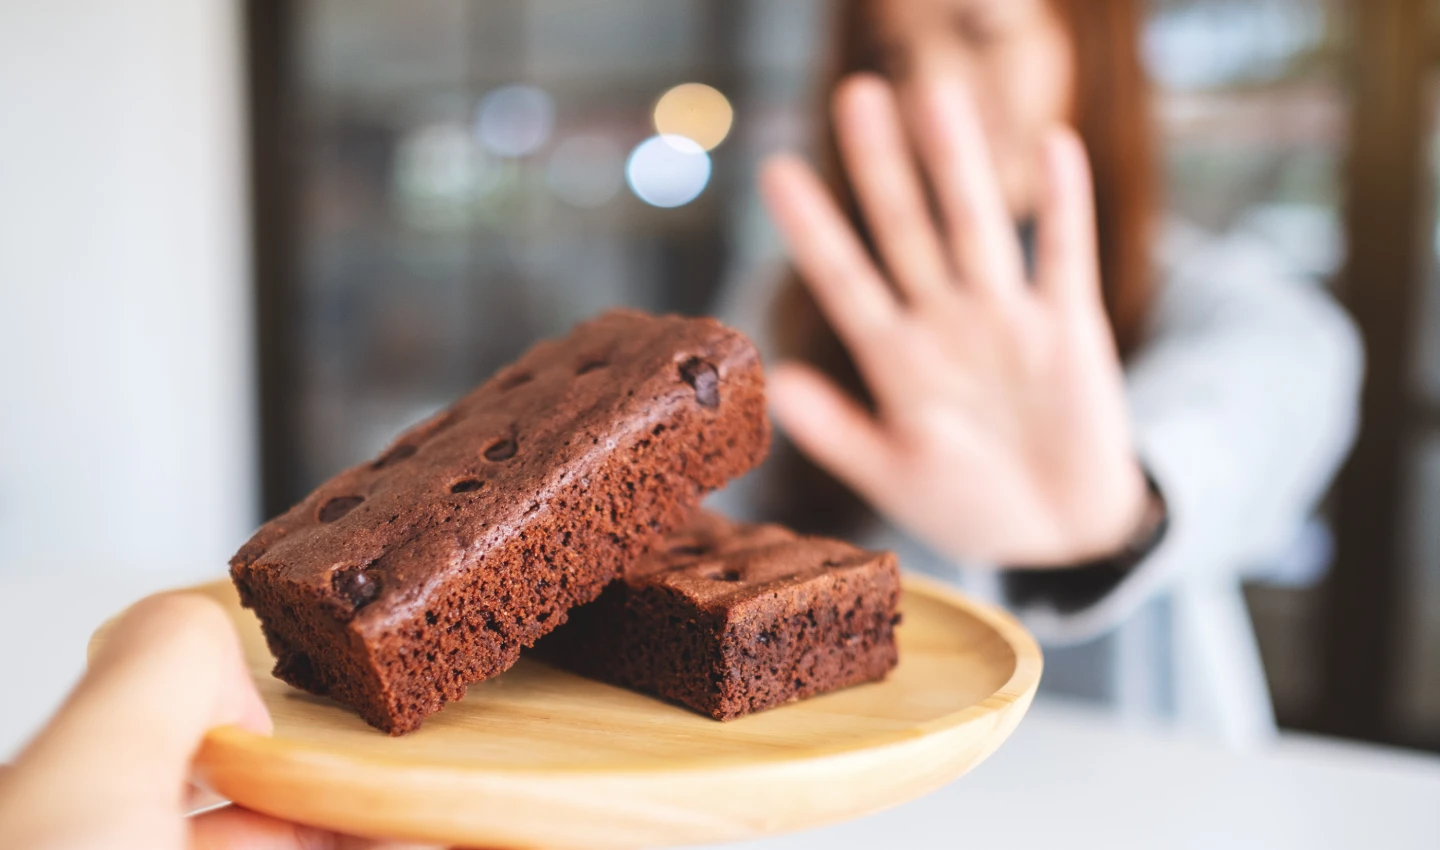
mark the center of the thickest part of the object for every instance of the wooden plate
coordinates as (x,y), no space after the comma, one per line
(540,758)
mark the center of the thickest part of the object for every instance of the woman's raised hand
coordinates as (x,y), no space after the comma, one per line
(1000,431)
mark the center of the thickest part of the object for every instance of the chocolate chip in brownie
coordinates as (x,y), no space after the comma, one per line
(357,585)
(502,449)
(705,380)
(338,507)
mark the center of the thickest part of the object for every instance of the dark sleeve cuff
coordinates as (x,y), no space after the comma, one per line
(1070,589)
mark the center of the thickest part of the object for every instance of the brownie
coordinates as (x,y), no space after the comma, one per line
(400,581)
(730,619)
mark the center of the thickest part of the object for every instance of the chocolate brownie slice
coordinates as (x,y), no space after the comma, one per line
(729,619)
(398,582)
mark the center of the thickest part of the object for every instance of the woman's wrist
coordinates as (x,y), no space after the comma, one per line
(1134,505)
(1145,519)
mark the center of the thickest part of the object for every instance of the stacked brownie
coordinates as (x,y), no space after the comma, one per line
(399,582)
(729,619)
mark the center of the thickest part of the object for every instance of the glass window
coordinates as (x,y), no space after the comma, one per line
(1419,677)
(1254,119)
(1253,109)
(477,175)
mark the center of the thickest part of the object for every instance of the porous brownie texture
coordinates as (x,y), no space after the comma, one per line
(730,619)
(400,581)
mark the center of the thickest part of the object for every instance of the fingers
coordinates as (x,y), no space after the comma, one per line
(827,253)
(117,754)
(830,427)
(978,226)
(235,828)
(888,187)
(1068,265)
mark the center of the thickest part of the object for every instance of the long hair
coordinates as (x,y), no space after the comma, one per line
(1112,114)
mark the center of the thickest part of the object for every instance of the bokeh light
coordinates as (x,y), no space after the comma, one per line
(437,162)
(695,111)
(440,173)
(515,120)
(668,171)
(584,171)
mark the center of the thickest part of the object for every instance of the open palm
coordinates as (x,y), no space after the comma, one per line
(1000,431)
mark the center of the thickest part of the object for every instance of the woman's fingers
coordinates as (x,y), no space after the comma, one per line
(1067,265)
(978,226)
(830,427)
(887,186)
(114,760)
(828,253)
(235,828)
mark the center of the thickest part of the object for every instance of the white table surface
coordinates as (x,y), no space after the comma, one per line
(1074,778)
(1070,777)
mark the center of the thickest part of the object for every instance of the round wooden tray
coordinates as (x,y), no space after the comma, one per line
(541,758)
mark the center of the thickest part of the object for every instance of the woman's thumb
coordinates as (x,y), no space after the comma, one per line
(117,755)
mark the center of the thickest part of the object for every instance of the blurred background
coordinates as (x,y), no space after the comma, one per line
(243,244)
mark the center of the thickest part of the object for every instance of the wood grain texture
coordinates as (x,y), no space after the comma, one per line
(541,758)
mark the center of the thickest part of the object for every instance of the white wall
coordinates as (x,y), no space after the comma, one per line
(126,406)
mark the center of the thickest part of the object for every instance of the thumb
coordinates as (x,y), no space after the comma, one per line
(113,762)
(830,426)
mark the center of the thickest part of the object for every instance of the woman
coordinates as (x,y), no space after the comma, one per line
(1012,366)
